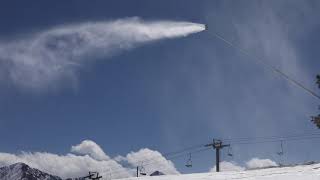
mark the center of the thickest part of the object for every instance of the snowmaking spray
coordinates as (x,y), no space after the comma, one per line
(54,54)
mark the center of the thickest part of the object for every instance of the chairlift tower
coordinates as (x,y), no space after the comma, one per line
(281,153)
(217,145)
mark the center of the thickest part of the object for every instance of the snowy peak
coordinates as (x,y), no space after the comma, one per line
(21,171)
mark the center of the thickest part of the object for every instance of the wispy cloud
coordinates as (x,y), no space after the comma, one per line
(53,55)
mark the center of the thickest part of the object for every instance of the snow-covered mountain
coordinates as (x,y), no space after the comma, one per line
(21,171)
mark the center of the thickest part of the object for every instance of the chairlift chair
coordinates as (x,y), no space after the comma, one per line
(97,177)
(142,171)
(230,151)
(189,162)
(280,153)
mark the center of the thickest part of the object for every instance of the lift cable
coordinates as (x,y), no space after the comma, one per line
(170,155)
(119,171)
(235,141)
(276,140)
(269,137)
(257,140)
(260,59)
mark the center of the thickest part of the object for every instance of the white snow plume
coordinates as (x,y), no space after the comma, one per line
(45,58)
(228,166)
(257,163)
(90,157)
(254,163)
(150,161)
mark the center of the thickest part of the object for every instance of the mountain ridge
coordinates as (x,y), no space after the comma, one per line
(22,171)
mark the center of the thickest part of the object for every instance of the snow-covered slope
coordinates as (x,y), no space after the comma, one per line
(21,171)
(306,172)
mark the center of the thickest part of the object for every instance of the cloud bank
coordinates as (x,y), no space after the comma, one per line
(89,157)
(151,161)
(45,58)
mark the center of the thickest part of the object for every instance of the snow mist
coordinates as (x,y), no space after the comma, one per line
(43,58)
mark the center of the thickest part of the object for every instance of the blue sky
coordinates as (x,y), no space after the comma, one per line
(173,93)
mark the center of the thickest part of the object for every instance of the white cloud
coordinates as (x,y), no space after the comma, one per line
(90,158)
(260,163)
(120,158)
(151,161)
(46,58)
(228,166)
(90,148)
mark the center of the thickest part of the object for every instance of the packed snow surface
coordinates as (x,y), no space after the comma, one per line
(20,171)
(302,172)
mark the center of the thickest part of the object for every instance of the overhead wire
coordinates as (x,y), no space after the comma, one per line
(269,137)
(233,141)
(270,140)
(119,171)
(168,156)
(262,61)
(256,140)
(200,148)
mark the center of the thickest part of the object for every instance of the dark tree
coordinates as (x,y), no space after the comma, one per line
(316,119)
